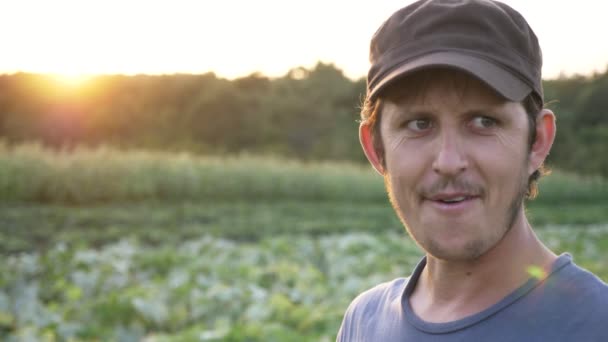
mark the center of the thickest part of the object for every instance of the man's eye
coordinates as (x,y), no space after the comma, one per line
(419,125)
(484,122)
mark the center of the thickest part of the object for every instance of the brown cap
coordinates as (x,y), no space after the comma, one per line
(485,38)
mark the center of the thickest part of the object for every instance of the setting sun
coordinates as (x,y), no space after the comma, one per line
(71,80)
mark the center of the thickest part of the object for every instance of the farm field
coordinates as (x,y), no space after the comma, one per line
(281,288)
(110,245)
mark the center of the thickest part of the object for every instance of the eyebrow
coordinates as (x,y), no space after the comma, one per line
(427,112)
(484,112)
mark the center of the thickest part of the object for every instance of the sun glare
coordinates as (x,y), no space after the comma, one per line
(71,80)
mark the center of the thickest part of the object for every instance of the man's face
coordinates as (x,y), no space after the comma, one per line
(456,164)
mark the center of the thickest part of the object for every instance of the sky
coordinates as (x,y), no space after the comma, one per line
(235,38)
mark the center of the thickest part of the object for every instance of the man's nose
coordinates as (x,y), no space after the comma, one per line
(451,158)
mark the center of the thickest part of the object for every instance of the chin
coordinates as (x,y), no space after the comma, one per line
(467,251)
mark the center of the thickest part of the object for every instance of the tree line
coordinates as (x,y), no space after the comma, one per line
(309,114)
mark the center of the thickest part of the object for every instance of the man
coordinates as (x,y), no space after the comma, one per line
(454,122)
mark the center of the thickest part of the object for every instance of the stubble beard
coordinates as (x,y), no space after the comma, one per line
(474,248)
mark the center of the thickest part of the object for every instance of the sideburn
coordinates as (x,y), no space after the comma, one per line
(376,135)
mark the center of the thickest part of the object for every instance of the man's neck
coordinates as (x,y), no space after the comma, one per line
(450,290)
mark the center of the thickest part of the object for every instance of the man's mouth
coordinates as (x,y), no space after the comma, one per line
(453,200)
(453,197)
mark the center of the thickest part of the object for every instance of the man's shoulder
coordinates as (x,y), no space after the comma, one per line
(585,289)
(378,302)
(377,297)
(574,303)
(389,288)
(580,284)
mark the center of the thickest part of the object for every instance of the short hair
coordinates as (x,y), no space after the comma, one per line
(372,108)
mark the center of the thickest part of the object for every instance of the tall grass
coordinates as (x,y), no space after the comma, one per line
(33,173)
(562,188)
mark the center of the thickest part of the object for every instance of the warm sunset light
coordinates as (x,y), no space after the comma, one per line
(237,38)
(71,80)
(188,170)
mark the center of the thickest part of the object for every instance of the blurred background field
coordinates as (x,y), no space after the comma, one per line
(134,245)
(196,208)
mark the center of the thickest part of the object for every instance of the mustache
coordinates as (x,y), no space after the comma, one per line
(443,185)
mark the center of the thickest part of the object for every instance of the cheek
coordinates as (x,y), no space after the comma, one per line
(503,153)
(511,143)
(393,143)
(502,166)
(405,173)
(393,151)
(404,163)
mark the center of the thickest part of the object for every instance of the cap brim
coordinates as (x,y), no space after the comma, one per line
(499,79)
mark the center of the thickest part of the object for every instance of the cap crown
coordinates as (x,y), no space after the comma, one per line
(485,29)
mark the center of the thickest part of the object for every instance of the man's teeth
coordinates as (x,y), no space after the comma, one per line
(456,199)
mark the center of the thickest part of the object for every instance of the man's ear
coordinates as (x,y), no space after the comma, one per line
(367,142)
(545,134)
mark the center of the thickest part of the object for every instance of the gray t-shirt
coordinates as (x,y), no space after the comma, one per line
(570,304)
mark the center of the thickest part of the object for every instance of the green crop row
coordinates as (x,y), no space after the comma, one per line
(28,227)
